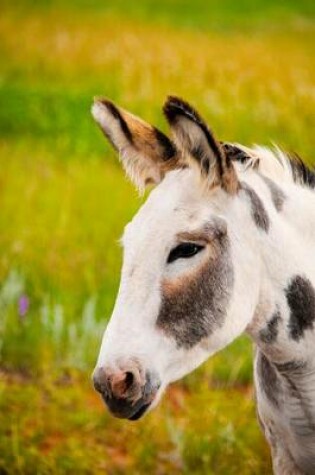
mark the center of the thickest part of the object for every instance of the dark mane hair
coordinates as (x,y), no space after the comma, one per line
(301,173)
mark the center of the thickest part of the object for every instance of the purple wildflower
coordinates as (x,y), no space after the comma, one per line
(23,305)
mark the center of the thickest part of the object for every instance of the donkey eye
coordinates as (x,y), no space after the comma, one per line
(184,250)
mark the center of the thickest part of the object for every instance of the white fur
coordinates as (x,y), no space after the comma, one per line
(263,263)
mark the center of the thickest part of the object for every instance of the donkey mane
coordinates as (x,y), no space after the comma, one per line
(301,172)
(292,164)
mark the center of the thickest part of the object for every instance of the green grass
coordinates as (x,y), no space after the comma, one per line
(249,67)
(56,425)
(214,15)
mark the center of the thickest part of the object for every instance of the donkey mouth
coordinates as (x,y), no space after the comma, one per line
(139,413)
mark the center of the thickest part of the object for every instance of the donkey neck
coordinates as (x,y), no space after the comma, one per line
(283,327)
(283,324)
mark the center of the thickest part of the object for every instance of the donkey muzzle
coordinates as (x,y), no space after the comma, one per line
(126,393)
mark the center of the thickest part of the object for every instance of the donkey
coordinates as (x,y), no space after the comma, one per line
(224,244)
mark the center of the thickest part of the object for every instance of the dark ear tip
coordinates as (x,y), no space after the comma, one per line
(175,106)
(102,100)
(174,101)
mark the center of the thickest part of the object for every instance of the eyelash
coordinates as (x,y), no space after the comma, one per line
(184,250)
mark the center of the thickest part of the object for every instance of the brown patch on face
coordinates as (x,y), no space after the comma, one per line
(230,181)
(195,304)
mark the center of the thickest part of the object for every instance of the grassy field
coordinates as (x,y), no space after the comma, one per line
(250,68)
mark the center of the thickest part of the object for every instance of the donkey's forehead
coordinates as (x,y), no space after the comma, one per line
(173,204)
(179,187)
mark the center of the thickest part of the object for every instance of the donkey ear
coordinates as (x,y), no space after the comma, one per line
(195,140)
(145,152)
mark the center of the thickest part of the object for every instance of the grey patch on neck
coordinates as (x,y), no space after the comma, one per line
(270,332)
(199,306)
(294,367)
(300,296)
(277,195)
(258,210)
(302,418)
(269,380)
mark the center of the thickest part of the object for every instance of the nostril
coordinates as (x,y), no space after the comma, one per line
(117,384)
(122,384)
(129,379)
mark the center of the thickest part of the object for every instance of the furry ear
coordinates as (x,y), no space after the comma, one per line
(196,141)
(145,152)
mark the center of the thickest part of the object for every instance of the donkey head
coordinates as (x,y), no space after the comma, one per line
(187,261)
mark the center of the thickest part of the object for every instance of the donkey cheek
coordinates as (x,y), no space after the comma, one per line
(193,308)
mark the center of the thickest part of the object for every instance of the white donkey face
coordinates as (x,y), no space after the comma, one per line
(178,301)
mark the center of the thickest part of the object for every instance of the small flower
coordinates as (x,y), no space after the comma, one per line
(23,305)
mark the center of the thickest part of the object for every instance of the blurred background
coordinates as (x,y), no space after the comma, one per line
(249,67)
